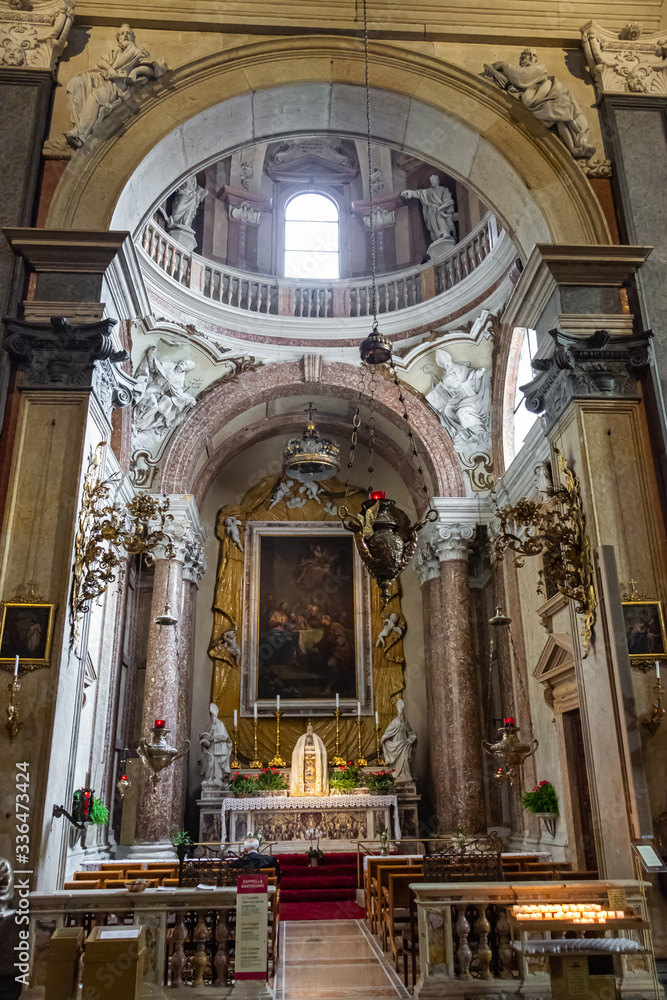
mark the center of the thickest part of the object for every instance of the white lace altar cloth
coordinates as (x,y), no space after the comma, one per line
(310,802)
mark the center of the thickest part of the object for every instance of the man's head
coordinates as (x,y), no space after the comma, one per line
(435,180)
(326,620)
(282,606)
(125,35)
(528,57)
(250,844)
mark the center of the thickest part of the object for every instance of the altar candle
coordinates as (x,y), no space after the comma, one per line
(277,703)
(359,708)
(657,667)
(236,719)
(337,700)
(377,718)
(16,666)
(255,709)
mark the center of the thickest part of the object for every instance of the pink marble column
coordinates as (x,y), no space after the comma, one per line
(162,692)
(435,692)
(185,665)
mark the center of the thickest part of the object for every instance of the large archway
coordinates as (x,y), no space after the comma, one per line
(437,111)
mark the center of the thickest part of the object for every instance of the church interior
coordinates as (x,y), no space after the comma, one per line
(333,499)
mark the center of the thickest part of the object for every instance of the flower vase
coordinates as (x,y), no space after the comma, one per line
(314,863)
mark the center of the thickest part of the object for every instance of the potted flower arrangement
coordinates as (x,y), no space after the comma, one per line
(242,785)
(315,855)
(271,782)
(181,841)
(345,780)
(380,782)
(543,802)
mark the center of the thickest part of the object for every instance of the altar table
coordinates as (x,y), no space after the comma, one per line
(337,817)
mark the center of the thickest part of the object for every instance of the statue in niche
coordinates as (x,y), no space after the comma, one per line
(216,748)
(161,401)
(398,743)
(438,209)
(95,93)
(545,97)
(187,199)
(309,774)
(461,400)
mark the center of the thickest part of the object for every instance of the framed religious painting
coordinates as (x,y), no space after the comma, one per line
(26,631)
(307,620)
(645,630)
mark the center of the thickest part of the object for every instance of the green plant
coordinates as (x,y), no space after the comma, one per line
(181,837)
(380,781)
(542,799)
(98,813)
(270,779)
(243,784)
(345,777)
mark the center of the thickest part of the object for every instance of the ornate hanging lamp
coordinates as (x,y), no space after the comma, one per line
(311,457)
(385,538)
(156,752)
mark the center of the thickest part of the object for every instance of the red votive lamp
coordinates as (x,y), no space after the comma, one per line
(378,495)
(159,723)
(124,778)
(508,722)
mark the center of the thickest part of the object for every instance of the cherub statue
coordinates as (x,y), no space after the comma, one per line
(232,530)
(390,624)
(230,643)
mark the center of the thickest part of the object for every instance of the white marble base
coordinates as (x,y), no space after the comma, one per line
(183,235)
(162,851)
(441,248)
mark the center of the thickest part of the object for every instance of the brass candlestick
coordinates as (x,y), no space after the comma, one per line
(236,763)
(337,760)
(13,723)
(379,760)
(657,711)
(277,761)
(361,760)
(255,762)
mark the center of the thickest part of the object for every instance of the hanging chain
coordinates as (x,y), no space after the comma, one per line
(356,424)
(372,386)
(370,171)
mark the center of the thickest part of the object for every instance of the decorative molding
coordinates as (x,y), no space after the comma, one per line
(627,62)
(594,367)
(34,35)
(312,368)
(66,250)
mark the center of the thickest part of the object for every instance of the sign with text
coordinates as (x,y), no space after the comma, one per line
(251,926)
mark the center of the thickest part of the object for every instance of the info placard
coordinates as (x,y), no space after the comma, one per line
(251,926)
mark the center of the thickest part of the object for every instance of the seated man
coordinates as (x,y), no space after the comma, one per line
(253,861)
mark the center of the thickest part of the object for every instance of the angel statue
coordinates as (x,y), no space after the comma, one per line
(390,625)
(461,401)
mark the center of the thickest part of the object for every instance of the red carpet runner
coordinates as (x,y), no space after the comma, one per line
(327,892)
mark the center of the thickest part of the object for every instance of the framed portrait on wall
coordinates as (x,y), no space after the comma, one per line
(645,630)
(307,620)
(26,631)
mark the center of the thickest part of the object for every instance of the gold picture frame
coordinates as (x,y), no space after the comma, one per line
(645,632)
(26,629)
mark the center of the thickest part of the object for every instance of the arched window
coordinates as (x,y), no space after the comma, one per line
(311,237)
(523,418)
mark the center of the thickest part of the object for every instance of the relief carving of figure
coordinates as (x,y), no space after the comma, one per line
(461,401)
(545,97)
(398,743)
(161,400)
(95,93)
(437,208)
(35,39)
(216,748)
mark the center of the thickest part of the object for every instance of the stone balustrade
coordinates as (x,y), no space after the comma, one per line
(466,939)
(190,932)
(319,300)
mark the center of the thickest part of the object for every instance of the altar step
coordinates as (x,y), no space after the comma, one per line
(308,893)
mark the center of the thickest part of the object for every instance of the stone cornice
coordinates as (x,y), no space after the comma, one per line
(65,250)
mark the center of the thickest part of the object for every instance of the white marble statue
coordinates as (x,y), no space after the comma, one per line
(95,93)
(398,742)
(161,400)
(546,97)
(187,199)
(311,490)
(284,489)
(309,774)
(216,748)
(461,400)
(230,643)
(232,525)
(390,625)
(438,209)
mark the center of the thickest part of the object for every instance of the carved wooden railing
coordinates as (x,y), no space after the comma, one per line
(465,937)
(317,300)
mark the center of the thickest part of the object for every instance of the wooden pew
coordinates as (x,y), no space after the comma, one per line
(396,909)
(382,879)
(370,882)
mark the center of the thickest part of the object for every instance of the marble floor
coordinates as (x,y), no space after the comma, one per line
(333,960)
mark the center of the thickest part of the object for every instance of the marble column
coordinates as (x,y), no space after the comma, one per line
(452,680)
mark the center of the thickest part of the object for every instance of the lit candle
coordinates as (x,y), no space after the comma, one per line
(16,666)
(337,700)
(277,703)
(359,708)
(236,719)
(377,718)
(255,709)
(657,667)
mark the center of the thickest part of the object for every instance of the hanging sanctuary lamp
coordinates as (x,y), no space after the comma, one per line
(384,536)
(311,458)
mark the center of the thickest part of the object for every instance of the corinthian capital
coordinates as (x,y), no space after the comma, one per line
(187,534)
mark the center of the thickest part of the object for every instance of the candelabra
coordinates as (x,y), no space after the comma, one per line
(276,760)
(337,760)
(361,760)
(255,762)
(13,723)
(657,711)
(379,759)
(235,763)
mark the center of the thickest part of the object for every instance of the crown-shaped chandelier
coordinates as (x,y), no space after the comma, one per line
(311,457)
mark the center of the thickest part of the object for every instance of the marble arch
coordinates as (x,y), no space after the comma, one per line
(440,112)
(226,402)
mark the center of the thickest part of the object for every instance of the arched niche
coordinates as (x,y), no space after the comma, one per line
(439,112)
